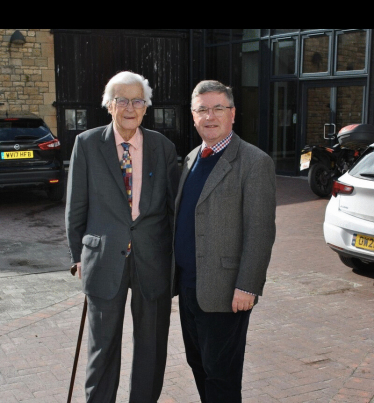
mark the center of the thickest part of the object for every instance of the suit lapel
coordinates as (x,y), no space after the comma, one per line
(188,164)
(150,158)
(109,151)
(221,169)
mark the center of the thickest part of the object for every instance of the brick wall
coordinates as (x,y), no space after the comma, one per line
(27,74)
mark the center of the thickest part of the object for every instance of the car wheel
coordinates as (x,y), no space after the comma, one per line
(357,264)
(56,192)
(320,180)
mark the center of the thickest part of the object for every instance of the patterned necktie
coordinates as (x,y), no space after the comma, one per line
(126,167)
(127,171)
(206,152)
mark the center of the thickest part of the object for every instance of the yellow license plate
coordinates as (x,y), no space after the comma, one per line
(15,155)
(363,242)
(305,160)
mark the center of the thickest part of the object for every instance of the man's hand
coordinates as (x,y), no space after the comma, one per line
(79,269)
(242,301)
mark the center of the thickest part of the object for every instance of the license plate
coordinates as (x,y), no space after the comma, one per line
(15,155)
(305,160)
(363,242)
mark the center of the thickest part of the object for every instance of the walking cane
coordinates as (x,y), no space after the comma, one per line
(73,270)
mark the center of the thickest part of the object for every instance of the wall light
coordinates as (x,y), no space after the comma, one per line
(17,38)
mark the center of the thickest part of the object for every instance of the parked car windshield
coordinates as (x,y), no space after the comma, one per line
(364,168)
(22,129)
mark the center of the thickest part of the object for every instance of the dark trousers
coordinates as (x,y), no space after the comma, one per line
(215,346)
(151,320)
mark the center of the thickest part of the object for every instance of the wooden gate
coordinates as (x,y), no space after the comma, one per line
(87,59)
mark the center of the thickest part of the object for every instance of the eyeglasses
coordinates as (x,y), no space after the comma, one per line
(124,102)
(217,110)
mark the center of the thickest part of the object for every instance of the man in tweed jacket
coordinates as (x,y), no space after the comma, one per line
(224,233)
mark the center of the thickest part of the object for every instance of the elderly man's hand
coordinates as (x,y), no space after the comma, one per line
(242,301)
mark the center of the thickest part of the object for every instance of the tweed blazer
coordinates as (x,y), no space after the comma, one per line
(234,224)
(98,216)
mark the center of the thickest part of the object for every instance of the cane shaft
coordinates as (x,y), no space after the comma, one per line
(79,342)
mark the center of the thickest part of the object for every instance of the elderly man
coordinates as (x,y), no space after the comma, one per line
(119,216)
(225,229)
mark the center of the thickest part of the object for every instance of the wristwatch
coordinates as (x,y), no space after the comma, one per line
(73,269)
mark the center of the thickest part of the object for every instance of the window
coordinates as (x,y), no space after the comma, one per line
(351,51)
(164,118)
(75,119)
(316,54)
(284,56)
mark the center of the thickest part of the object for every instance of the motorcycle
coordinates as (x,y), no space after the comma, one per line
(328,163)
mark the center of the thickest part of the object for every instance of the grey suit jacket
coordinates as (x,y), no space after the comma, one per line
(98,216)
(234,224)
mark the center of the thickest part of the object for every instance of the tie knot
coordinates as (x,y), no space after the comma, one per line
(125,146)
(206,152)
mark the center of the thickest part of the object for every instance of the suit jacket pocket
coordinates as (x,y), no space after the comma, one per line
(230,262)
(91,240)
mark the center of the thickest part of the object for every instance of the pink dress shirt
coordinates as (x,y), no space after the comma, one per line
(136,153)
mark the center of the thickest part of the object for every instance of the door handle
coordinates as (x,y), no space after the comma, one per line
(329,135)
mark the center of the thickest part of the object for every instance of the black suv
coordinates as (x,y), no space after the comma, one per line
(30,155)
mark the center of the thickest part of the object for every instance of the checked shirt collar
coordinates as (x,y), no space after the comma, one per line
(220,145)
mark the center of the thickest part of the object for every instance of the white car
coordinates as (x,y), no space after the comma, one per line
(349,219)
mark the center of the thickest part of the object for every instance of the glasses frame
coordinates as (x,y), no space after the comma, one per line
(205,111)
(130,100)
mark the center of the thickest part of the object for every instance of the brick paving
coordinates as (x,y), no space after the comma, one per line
(310,338)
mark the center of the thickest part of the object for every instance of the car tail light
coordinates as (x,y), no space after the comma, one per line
(50,144)
(339,187)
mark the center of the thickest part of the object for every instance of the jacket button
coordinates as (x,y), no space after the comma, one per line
(132,228)
(123,252)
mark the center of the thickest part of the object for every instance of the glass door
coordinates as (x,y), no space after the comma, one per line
(328,108)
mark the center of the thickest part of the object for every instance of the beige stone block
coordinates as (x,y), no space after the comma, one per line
(36,77)
(51,120)
(38,97)
(44,36)
(41,62)
(15,108)
(51,63)
(48,75)
(41,84)
(36,52)
(47,50)
(47,110)
(31,90)
(11,95)
(49,98)
(15,53)
(16,62)
(28,62)
(7,69)
(4,77)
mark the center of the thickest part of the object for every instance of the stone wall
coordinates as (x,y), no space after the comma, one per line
(27,74)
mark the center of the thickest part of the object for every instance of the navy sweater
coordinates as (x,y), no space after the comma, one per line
(184,247)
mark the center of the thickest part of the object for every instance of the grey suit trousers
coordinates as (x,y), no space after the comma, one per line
(151,320)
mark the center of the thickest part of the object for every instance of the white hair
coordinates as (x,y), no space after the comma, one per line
(126,77)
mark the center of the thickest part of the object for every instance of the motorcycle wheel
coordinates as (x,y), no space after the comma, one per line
(320,180)
(357,264)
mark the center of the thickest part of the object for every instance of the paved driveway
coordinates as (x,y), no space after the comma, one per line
(310,339)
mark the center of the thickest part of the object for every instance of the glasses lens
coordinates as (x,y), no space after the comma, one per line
(202,111)
(218,111)
(138,103)
(122,101)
